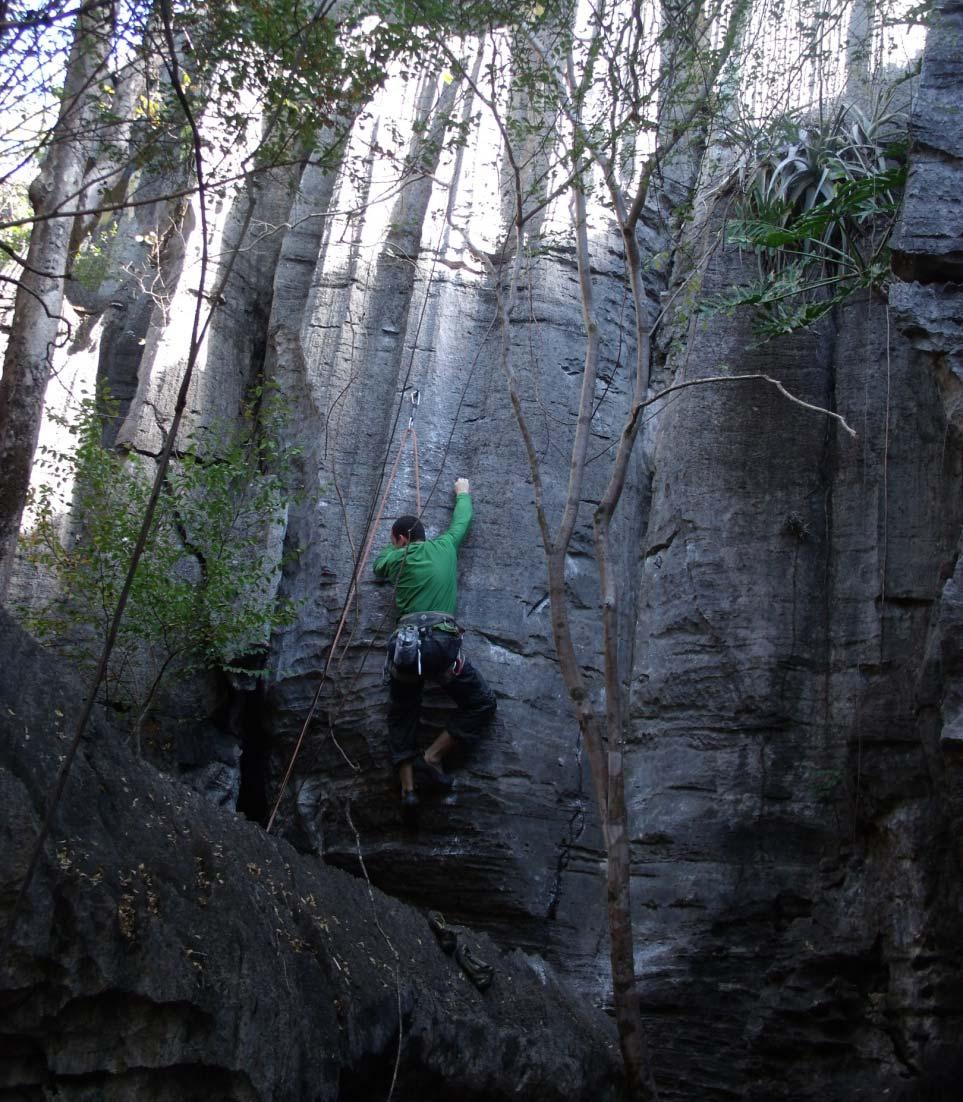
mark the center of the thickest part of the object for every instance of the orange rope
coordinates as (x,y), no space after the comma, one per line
(414,447)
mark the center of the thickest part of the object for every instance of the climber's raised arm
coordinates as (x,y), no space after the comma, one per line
(462,513)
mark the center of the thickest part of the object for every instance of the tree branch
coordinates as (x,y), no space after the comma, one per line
(711,379)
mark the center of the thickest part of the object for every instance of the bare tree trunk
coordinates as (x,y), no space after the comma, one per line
(108,171)
(145,706)
(37,321)
(607,768)
(859,48)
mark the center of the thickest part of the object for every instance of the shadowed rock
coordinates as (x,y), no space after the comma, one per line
(168,950)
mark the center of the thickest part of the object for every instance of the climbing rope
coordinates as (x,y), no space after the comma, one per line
(415,403)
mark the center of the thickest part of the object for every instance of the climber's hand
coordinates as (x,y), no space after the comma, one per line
(461,486)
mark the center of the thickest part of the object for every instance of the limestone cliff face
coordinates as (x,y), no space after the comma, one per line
(795,782)
(792,609)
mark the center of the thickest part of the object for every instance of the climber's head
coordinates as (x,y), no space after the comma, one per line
(407,529)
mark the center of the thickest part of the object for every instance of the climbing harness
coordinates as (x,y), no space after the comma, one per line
(425,644)
(405,655)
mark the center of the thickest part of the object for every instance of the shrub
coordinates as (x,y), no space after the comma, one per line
(818,209)
(204,594)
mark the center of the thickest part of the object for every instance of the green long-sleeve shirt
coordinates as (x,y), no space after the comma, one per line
(425,573)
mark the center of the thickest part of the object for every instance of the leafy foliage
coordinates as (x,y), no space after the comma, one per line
(14,205)
(204,593)
(265,75)
(818,212)
(307,70)
(91,265)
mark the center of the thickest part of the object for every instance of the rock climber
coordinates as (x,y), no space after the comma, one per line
(427,645)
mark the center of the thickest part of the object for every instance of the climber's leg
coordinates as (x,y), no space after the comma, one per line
(404,709)
(439,748)
(476,705)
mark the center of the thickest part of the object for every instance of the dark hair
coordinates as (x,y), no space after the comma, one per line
(408,526)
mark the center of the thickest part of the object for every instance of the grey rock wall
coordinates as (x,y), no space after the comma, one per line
(795,790)
(347,337)
(791,609)
(785,794)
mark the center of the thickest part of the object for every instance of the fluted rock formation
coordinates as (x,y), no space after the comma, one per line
(791,621)
(796,797)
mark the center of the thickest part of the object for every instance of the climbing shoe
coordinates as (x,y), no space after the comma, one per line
(447,938)
(409,805)
(476,970)
(432,775)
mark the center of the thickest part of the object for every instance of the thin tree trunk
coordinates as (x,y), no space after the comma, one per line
(146,704)
(859,48)
(607,774)
(37,321)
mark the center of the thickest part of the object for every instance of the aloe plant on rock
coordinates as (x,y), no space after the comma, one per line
(817,208)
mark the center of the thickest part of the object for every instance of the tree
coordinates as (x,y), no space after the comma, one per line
(307,66)
(204,596)
(36,323)
(353,62)
(560,68)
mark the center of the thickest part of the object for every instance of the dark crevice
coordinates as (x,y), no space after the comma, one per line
(246,723)
(537,606)
(905,602)
(662,545)
(929,268)
(565,845)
